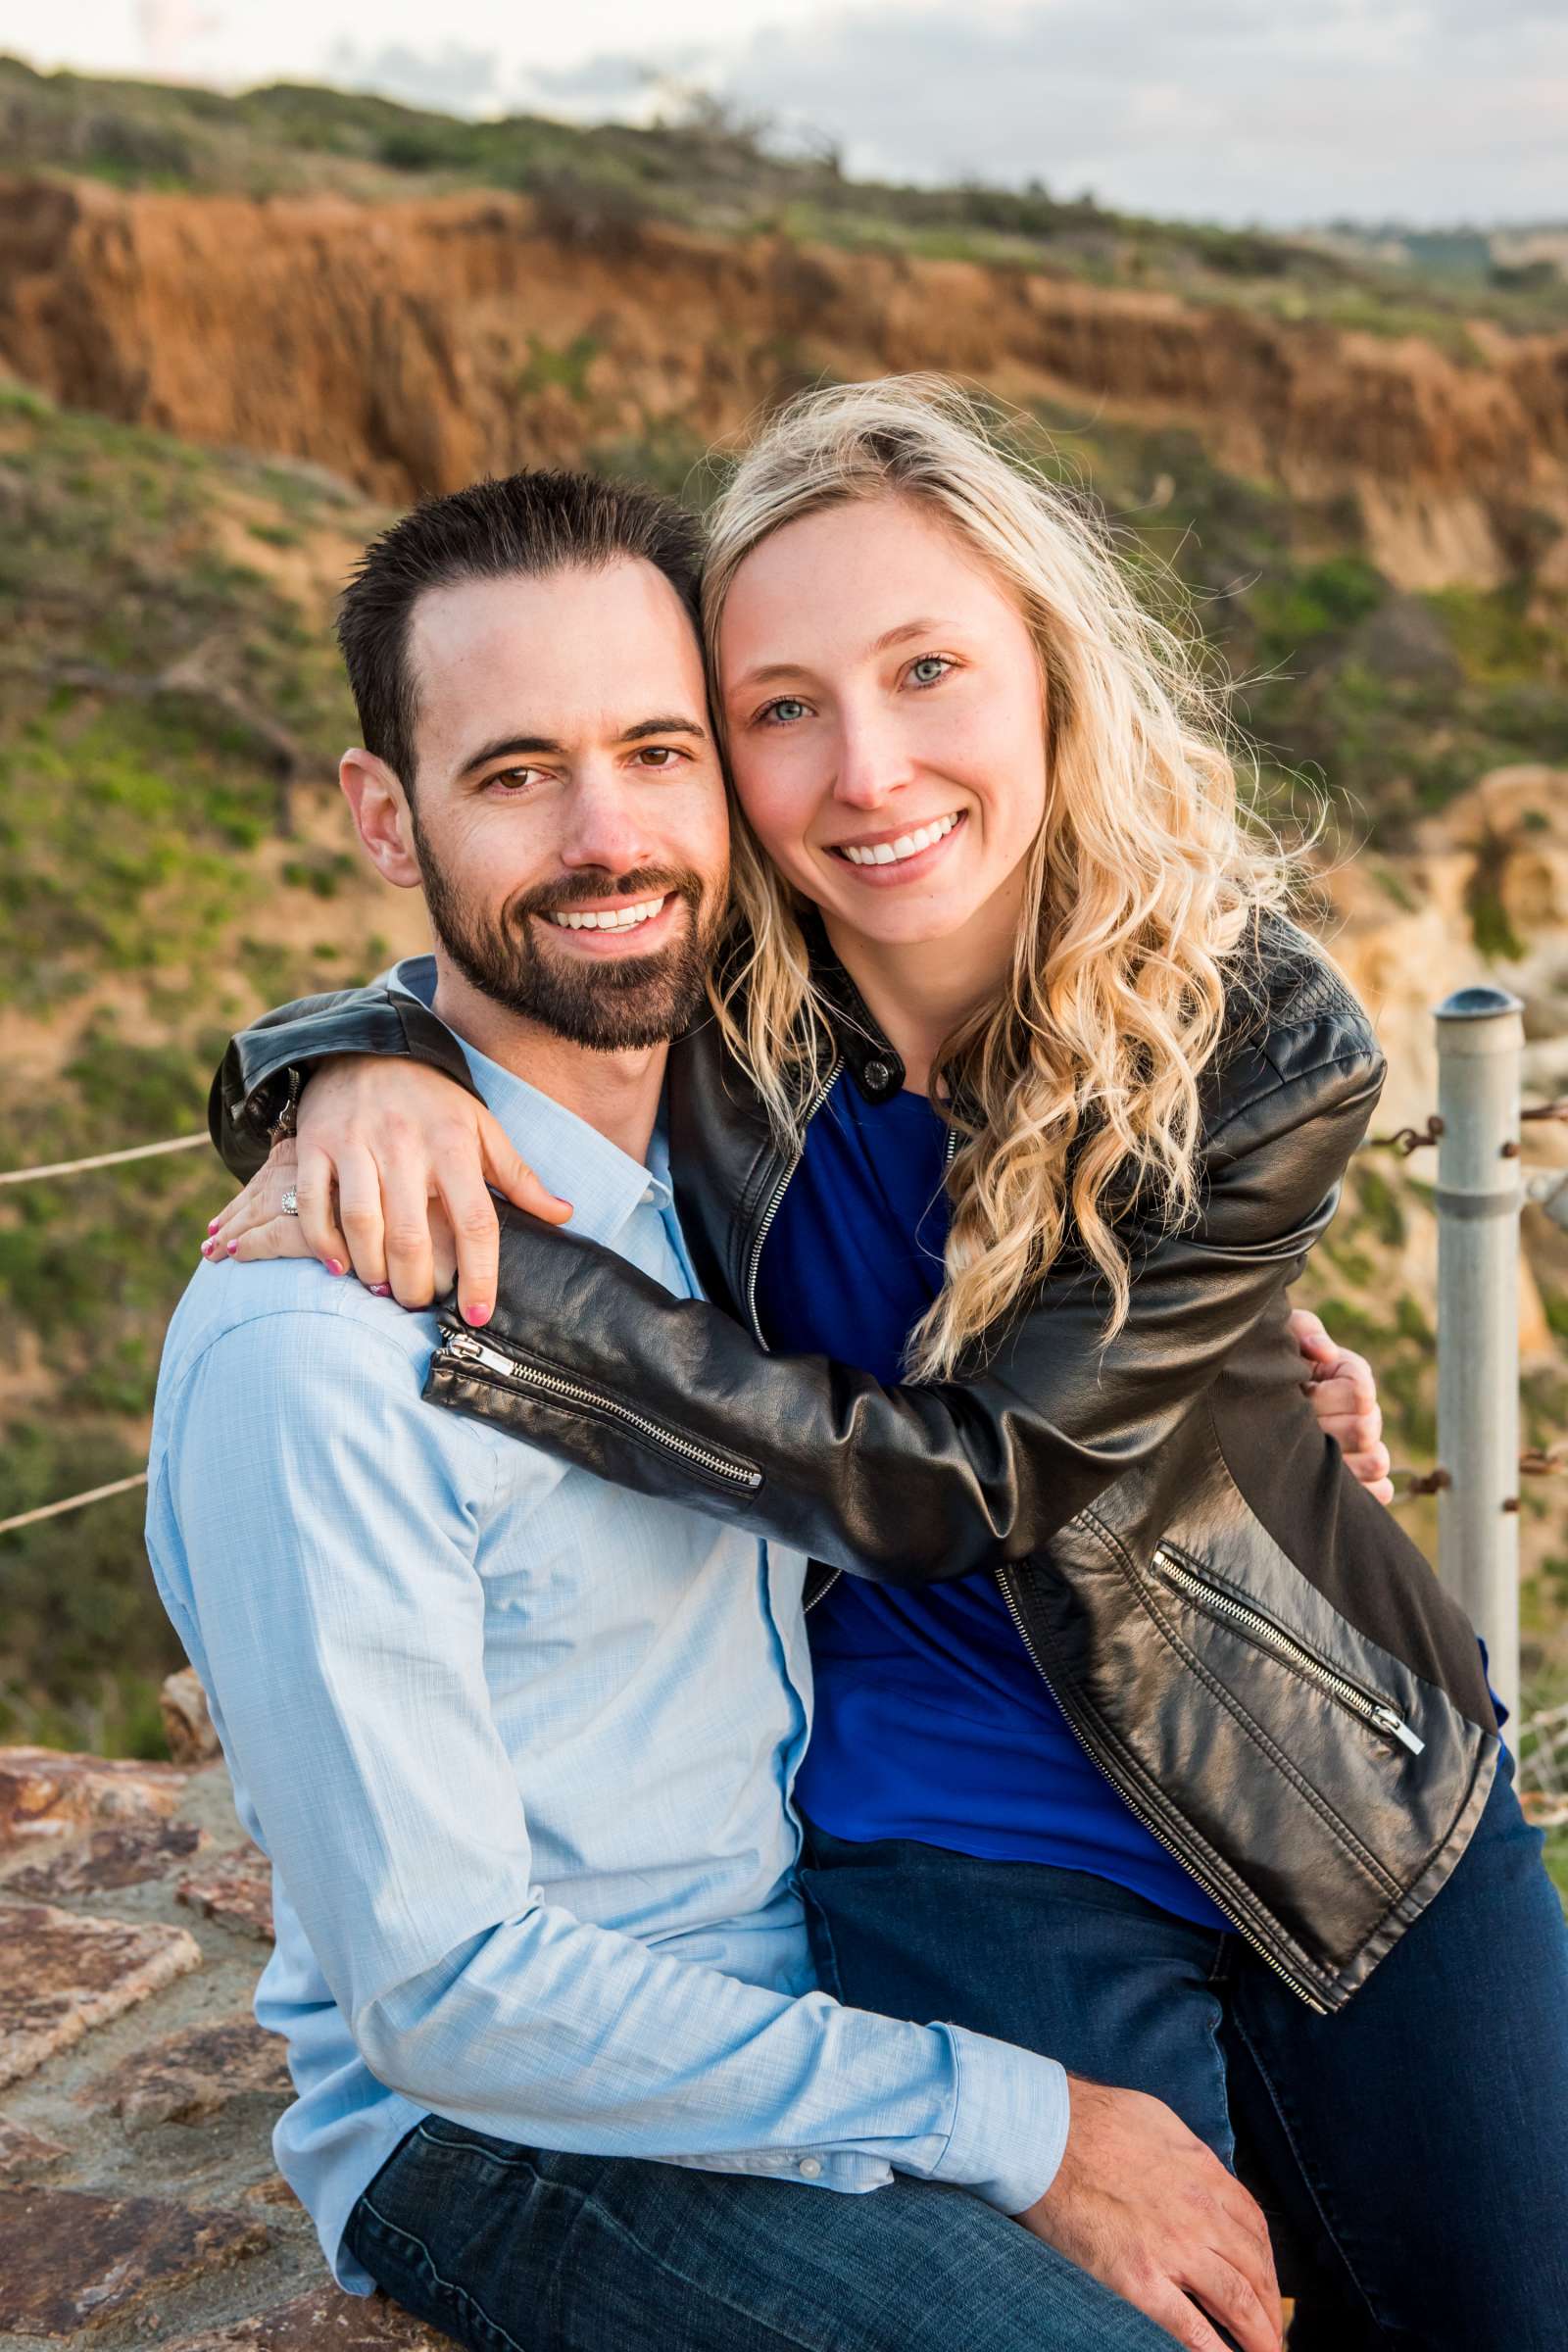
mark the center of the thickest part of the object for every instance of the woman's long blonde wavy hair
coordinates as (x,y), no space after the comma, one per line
(1075,1094)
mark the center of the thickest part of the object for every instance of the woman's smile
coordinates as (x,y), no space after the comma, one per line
(884,861)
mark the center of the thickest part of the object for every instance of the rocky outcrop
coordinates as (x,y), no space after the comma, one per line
(1480,894)
(416,346)
(139,2206)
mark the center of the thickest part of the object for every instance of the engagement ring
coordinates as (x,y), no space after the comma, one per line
(291,1203)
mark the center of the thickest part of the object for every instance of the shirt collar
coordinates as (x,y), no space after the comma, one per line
(603,1183)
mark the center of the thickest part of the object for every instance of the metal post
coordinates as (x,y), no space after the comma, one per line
(1480,1050)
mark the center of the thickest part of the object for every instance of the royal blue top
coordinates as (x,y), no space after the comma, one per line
(932,1720)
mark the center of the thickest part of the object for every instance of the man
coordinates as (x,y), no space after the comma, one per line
(519,1745)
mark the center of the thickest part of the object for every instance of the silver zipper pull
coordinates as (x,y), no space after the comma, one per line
(1395,1726)
(469,1350)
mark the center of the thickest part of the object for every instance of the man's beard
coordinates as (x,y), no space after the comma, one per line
(613,1004)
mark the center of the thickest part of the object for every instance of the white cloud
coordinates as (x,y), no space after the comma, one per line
(1426,110)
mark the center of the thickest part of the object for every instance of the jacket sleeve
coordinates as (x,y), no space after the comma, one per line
(675,1398)
(265,1065)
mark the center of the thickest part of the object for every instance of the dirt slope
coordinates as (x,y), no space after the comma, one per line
(413,346)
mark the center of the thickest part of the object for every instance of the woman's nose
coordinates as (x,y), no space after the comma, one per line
(872,765)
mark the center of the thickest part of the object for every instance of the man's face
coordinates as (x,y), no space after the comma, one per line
(568,807)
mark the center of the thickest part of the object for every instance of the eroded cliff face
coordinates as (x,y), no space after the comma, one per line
(415,346)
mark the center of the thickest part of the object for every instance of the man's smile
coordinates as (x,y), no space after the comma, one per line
(614,926)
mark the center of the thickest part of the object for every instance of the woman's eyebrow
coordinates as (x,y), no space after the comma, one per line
(904,628)
(766,672)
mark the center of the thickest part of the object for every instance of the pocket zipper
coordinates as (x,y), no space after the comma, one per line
(479,1360)
(1219,1603)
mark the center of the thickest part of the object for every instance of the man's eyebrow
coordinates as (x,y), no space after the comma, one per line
(769,671)
(509,747)
(663,726)
(534,747)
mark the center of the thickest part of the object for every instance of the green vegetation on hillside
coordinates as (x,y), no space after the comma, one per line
(1385,702)
(710,172)
(168,723)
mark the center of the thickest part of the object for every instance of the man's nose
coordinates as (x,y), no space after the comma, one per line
(606,828)
(872,764)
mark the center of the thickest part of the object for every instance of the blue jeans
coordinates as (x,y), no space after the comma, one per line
(1411,2152)
(512,2250)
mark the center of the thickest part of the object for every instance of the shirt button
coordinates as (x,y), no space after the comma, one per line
(877,1074)
(811,2167)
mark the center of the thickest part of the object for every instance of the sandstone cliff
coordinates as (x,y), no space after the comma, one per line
(413,346)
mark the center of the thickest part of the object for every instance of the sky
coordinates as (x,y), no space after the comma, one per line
(1278,112)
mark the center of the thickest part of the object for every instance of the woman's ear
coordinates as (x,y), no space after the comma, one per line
(381,816)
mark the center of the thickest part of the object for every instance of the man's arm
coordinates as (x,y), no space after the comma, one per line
(332,1523)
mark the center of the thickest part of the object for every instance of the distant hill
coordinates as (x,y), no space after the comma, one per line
(713,173)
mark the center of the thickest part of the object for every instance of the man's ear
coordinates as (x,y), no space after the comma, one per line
(381,816)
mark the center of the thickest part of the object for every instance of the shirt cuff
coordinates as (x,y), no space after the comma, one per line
(1009,2121)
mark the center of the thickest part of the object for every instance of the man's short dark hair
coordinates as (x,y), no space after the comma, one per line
(527,525)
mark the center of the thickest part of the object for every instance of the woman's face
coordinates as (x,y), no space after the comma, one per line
(885,713)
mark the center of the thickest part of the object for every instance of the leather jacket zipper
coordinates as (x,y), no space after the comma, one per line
(757,1253)
(1216,1602)
(481,1359)
(754,1256)
(1192,1864)
(780,1186)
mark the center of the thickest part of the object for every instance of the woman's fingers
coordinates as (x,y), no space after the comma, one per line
(257,1204)
(317,1219)
(473,1232)
(259,1226)
(511,1174)
(461,1161)
(359,1214)
(407,1210)
(406,1218)
(443,1250)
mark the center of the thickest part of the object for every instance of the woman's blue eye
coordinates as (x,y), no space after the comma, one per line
(937,664)
(786,710)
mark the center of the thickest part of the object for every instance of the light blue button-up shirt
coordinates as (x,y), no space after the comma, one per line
(521,1746)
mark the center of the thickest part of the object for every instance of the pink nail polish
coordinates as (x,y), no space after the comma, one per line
(230,1248)
(331,1265)
(207,1247)
(379,1290)
(478,1312)
(212,1224)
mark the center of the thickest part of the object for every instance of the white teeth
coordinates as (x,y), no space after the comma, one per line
(618,918)
(907,844)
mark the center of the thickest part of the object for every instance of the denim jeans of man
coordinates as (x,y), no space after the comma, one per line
(1411,2152)
(508,2249)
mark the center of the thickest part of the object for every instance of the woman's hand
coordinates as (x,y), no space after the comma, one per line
(1343,1395)
(389,1172)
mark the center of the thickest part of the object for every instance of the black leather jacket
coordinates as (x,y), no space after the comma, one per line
(1244,1640)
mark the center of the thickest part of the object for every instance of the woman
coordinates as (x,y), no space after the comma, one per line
(1142,1735)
